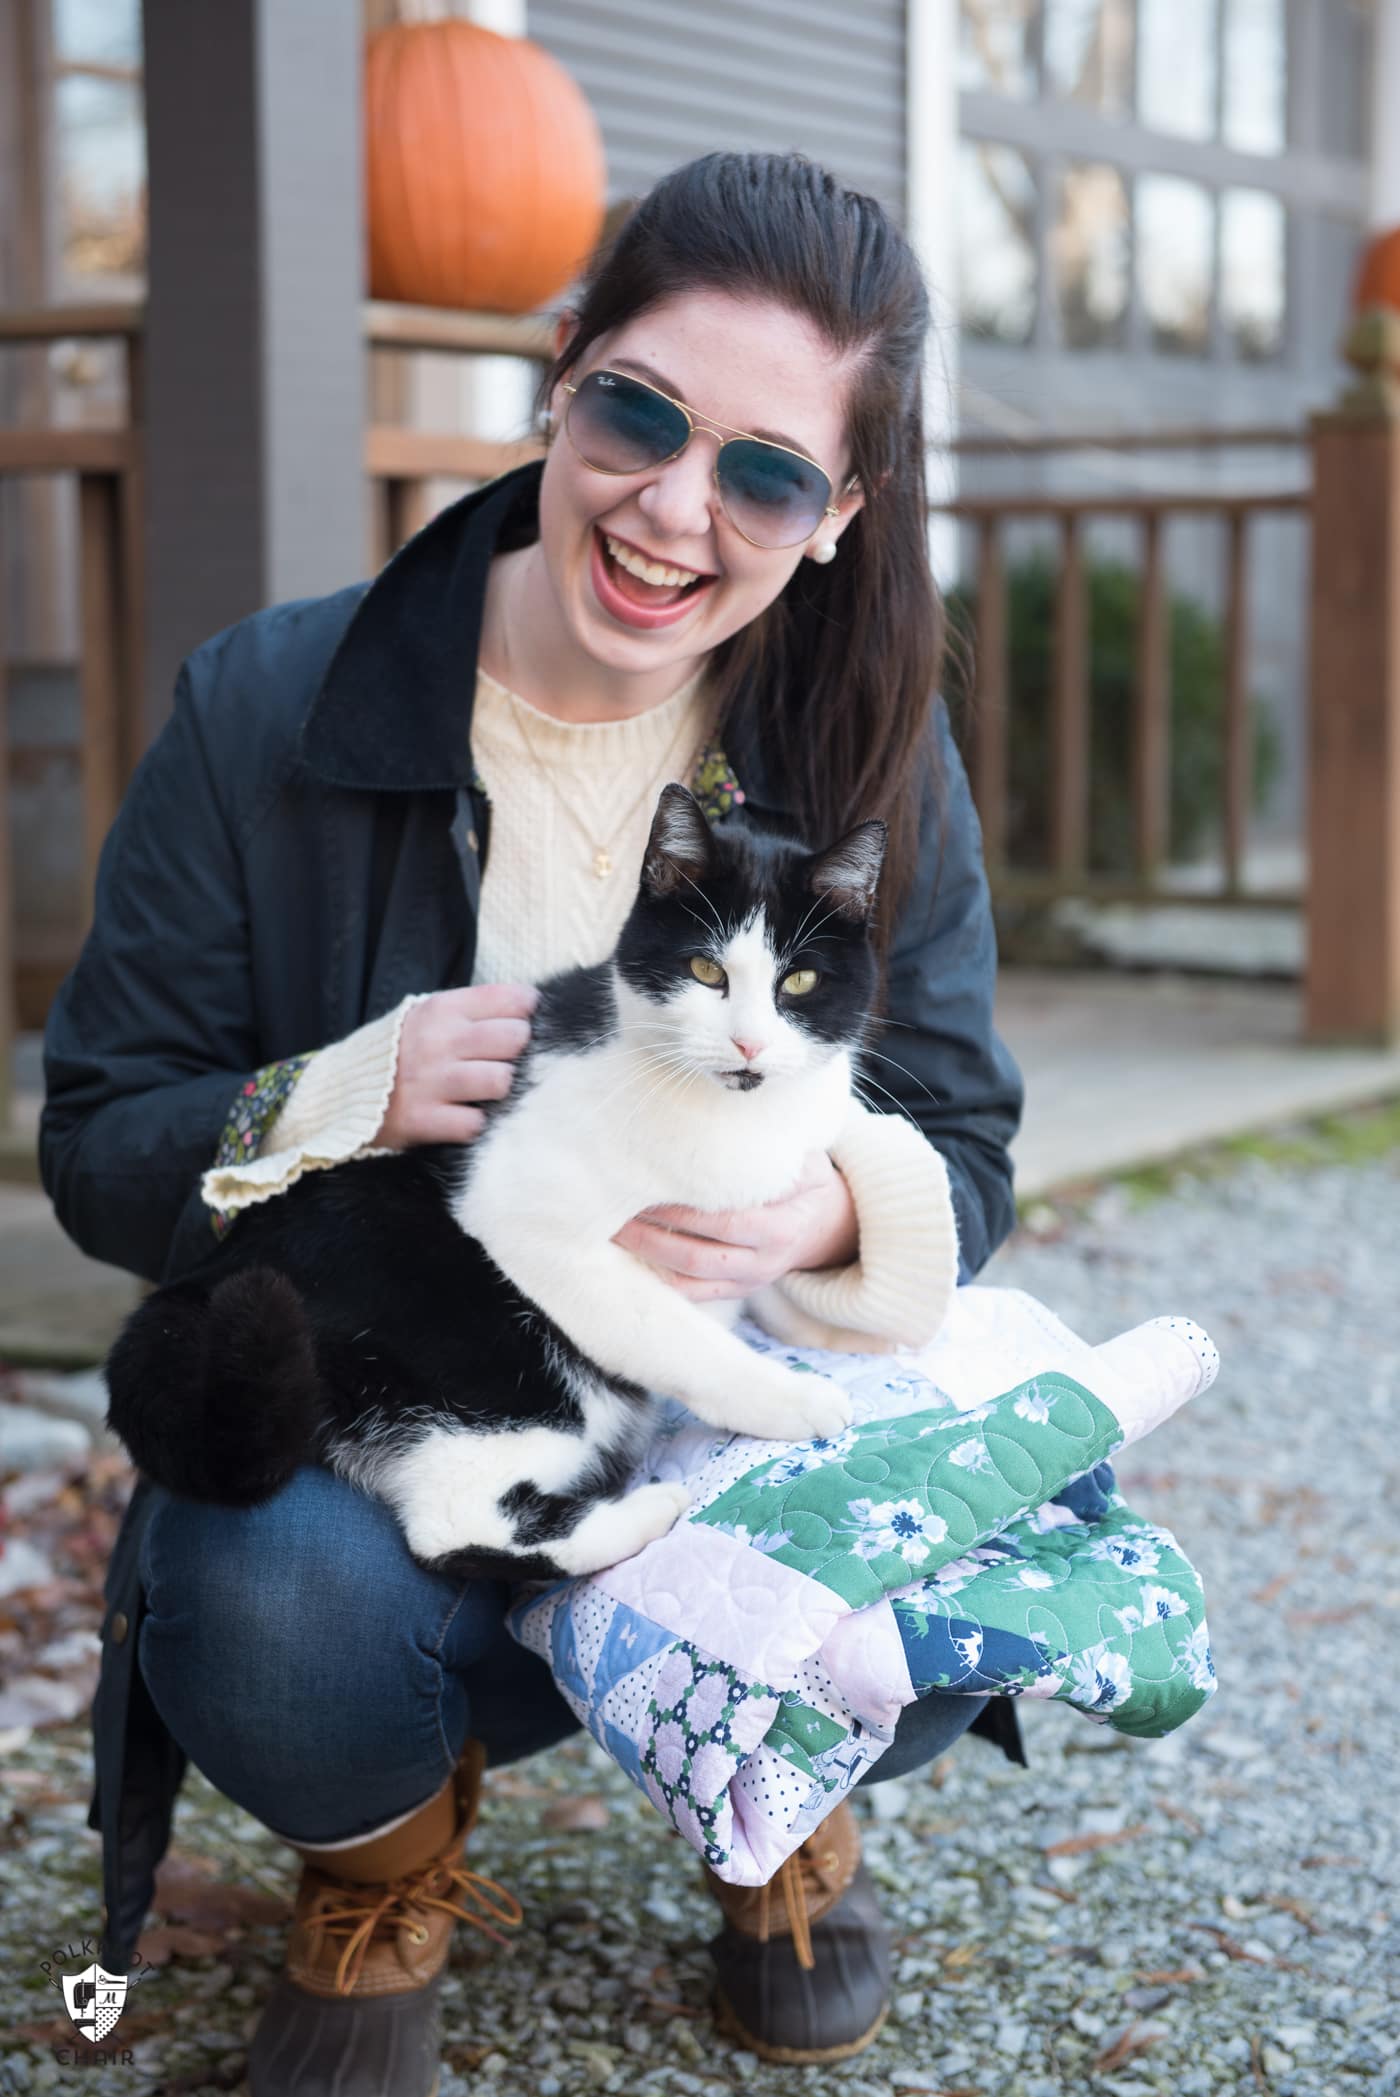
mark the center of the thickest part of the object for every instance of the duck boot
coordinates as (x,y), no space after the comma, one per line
(803,1963)
(356,2010)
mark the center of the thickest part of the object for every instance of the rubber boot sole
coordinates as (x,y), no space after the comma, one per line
(730,2024)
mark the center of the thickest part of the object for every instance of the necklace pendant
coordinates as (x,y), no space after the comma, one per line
(602,864)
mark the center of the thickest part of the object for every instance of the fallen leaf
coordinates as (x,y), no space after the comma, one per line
(1175,1812)
(1256,2063)
(1064,1893)
(1298,1619)
(961,1955)
(1077,1845)
(1325,1861)
(1231,1946)
(186,1890)
(1272,1589)
(176,1940)
(589,1810)
(1295,1908)
(1137,2038)
(1170,1976)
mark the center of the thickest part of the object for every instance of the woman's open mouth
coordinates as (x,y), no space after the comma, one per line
(639,591)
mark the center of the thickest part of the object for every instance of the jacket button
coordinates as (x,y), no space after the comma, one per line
(473,841)
(120,1627)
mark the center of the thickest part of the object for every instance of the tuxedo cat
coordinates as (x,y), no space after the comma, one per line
(451,1327)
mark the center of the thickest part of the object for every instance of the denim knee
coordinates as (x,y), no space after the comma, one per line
(295,1652)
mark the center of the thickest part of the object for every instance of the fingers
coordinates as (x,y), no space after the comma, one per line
(480,1001)
(496,1040)
(477,1080)
(447,1123)
(755,1228)
(738,1267)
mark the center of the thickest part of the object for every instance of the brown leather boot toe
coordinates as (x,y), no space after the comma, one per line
(803,1963)
(356,2012)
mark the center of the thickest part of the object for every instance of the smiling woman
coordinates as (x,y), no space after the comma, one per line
(373,824)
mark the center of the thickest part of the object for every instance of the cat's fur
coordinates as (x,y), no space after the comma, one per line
(452,1328)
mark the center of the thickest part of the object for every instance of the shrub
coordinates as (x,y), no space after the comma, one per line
(1197,670)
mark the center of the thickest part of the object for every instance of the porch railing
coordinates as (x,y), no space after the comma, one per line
(402,463)
(1067,787)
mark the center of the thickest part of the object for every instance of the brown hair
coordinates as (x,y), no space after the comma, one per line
(837,675)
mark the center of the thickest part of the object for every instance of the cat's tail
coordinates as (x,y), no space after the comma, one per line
(215,1391)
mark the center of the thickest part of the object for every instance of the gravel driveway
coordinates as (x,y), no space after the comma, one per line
(1230,1921)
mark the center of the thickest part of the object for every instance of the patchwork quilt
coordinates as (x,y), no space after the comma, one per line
(964,1536)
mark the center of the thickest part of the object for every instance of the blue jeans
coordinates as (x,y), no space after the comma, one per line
(326,1683)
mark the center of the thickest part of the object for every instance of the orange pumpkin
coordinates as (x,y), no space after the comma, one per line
(1379,281)
(484,169)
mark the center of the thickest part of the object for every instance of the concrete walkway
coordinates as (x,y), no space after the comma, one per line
(1121,1070)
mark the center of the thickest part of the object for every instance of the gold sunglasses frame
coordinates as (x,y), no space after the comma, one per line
(712,429)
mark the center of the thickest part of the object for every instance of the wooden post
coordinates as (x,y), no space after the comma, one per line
(1152,710)
(989,753)
(1352,981)
(1238,738)
(1069,724)
(102,663)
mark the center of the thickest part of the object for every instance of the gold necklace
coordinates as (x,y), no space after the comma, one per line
(602,859)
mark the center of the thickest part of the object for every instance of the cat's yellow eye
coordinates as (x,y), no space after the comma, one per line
(799,982)
(706,971)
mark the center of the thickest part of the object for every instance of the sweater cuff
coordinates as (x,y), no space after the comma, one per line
(333,1114)
(899,1289)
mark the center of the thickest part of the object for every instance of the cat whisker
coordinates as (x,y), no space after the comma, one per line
(902,1068)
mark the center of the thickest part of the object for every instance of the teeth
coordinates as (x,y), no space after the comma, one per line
(648,571)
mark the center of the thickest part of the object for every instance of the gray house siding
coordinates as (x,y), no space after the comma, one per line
(668,81)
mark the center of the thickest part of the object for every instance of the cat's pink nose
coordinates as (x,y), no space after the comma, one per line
(748,1049)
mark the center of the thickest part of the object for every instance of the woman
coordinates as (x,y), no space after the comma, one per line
(719,573)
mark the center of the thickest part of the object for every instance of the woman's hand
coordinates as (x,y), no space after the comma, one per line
(733,1252)
(456,1047)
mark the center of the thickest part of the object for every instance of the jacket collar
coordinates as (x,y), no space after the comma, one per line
(394,709)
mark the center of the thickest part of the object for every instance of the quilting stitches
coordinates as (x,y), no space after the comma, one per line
(911,1493)
(1107,1616)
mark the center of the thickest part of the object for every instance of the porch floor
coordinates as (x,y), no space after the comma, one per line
(1121,1071)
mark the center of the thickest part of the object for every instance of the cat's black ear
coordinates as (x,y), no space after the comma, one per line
(848,872)
(680,849)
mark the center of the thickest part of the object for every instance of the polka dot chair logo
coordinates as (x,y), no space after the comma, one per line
(95,2000)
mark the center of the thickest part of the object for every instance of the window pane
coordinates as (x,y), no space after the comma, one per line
(1256,76)
(995,46)
(1089,252)
(107,32)
(101,149)
(1176,66)
(1089,52)
(1174,262)
(996,244)
(1253,271)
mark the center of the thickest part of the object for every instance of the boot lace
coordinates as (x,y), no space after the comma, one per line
(348,1911)
(807,1875)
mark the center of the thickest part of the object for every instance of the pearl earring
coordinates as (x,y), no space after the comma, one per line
(824,551)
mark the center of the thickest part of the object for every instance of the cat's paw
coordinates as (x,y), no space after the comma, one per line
(799,1408)
(618,1529)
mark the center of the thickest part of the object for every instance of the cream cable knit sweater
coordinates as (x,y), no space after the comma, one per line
(543,908)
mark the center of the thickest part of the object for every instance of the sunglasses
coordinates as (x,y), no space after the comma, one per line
(772,496)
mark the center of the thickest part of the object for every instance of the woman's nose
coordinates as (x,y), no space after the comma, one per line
(677,500)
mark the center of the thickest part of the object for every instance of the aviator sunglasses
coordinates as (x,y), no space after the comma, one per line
(772,496)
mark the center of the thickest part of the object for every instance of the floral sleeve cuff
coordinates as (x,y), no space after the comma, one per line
(256,1107)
